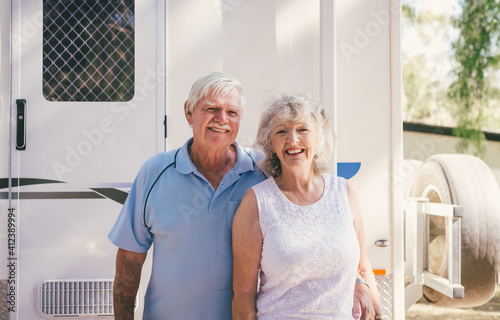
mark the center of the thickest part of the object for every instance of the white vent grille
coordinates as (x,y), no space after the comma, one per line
(76,297)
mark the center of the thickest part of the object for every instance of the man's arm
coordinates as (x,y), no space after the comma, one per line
(127,278)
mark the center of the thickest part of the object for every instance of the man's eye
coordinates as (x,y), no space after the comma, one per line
(280,132)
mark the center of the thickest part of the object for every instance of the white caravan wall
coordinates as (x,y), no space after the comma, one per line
(364,114)
(92,146)
(265,46)
(4,123)
(369,124)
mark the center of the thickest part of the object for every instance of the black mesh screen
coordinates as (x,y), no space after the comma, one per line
(88,50)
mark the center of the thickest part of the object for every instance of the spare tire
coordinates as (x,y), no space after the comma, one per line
(467,181)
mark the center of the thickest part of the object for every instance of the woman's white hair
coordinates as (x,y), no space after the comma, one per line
(216,83)
(283,107)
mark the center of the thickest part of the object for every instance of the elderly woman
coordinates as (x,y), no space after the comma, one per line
(301,227)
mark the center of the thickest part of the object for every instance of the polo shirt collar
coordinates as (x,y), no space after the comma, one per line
(244,162)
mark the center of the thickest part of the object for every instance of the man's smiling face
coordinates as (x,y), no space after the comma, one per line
(216,120)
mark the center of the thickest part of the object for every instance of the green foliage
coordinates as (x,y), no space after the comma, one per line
(424,92)
(409,14)
(437,22)
(477,57)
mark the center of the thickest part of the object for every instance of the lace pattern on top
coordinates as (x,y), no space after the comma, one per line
(309,256)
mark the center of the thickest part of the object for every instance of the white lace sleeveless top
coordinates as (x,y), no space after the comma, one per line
(310,254)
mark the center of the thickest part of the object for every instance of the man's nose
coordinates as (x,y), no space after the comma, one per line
(221,116)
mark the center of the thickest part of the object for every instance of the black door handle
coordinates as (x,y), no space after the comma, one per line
(21,125)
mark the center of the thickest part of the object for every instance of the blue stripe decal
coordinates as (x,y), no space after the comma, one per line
(347,170)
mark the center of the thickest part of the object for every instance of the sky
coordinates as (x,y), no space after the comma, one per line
(440,44)
(439,6)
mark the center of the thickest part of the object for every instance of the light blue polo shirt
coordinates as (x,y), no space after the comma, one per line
(173,206)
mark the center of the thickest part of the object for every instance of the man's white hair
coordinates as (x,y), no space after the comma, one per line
(216,83)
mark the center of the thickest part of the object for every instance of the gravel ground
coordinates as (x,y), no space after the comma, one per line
(489,311)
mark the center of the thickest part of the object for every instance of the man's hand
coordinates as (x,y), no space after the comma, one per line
(127,278)
(363,304)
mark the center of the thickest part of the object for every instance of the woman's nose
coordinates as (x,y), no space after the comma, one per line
(292,137)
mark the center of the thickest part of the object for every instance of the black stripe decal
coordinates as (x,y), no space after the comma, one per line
(16,182)
(113,194)
(52,195)
(99,193)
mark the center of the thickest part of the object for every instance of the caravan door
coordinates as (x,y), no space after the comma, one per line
(87,110)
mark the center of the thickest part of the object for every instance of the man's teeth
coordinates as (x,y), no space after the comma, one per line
(218,130)
(294,151)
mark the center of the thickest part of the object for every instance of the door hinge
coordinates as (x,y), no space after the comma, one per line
(165,125)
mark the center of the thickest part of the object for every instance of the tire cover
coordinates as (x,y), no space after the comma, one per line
(467,181)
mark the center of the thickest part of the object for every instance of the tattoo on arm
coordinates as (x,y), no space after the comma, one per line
(127,278)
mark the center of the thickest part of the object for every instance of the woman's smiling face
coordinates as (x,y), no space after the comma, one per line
(295,142)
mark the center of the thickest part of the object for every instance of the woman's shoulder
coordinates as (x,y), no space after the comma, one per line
(263,185)
(334,180)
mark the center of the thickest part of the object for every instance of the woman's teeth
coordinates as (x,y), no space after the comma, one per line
(294,151)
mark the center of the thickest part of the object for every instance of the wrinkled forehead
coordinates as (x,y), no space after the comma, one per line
(219,90)
(232,99)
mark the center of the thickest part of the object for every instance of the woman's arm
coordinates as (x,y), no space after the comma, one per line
(247,248)
(364,267)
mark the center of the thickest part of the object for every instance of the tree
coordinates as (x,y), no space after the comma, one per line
(477,57)
(424,80)
(424,92)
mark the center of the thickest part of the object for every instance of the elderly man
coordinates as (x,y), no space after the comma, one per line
(183,201)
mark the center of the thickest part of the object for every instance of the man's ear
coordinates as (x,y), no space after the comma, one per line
(189,116)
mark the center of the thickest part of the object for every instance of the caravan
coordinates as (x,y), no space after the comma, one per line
(91,89)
